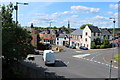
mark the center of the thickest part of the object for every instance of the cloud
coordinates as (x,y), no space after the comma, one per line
(84,9)
(113,6)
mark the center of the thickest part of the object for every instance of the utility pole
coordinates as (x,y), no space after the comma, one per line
(69,30)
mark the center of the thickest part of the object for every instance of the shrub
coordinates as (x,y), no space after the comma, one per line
(102,46)
(98,46)
(93,46)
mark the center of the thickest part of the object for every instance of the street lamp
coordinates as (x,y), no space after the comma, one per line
(16,8)
(112,47)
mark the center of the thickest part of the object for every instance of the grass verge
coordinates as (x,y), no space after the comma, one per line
(117,57)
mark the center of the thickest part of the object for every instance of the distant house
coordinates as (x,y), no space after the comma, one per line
(62,39)
(105,33)
(49,35)
(76,38)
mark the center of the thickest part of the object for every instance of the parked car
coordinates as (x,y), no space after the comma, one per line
(84,48)
(67,45)
(73,47)
(114,45)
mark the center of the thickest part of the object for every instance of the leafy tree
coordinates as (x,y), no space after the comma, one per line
(93,46)
(16,42)
(98,41)
(84,25)
(106,42)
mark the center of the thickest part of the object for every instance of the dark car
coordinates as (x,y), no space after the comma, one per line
(67,45)
(114,45)
(73,47)
(84,48)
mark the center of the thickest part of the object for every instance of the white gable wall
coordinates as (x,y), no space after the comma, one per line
(60,41)
(88,37)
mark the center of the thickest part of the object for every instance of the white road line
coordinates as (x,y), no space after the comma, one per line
(58,59)
(115,67)
(102,63)
(95,61)
(99,62)
(106,64)
(87,59)
(92,58)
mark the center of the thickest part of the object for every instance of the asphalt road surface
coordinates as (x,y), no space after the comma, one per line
(72,63)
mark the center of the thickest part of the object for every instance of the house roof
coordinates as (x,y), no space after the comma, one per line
(105,32)
(62,35)
(94,29)
(77,32)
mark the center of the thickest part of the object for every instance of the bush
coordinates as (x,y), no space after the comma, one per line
(93,46)
(102,46)
(98,46)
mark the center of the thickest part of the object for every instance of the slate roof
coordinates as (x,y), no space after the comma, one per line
(63,35)
(94,29)
(105,32)
(77,32)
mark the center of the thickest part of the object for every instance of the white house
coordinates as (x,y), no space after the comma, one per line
(62,39)
(90,33)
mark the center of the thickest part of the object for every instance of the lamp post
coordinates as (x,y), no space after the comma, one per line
(16,8)
(110,68)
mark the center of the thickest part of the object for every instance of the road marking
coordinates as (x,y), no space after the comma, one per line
(95,61)
(78,51)
(99,62)
(106,64)
(102,63)
(87,59)
(58,59)
(81,55)
(91,60)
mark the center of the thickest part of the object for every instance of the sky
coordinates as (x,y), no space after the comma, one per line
(58,13)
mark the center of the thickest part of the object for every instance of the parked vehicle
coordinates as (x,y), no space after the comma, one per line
(30,57)
(67,45)
(73,47)
(84,48)
(114,45)
(48,57)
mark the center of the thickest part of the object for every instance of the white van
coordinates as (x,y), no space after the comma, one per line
(48,57)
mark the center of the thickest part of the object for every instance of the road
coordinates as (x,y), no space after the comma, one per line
(74,63)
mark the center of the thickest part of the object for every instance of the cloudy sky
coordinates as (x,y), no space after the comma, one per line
(78,13)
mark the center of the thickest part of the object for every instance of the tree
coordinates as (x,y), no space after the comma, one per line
(98,41)
(93,46)
(106,42)
(16,42)
(84,25)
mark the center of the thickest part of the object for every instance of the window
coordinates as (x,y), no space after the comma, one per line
(98,34)
(108,36)
(86,39)
(94,34)
(86,33)
(65,38)
(81,36)
(87,45)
